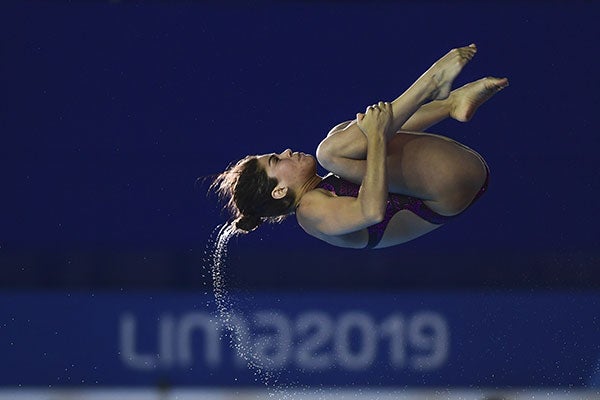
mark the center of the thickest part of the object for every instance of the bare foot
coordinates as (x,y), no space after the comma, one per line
(446,69)
(467,99)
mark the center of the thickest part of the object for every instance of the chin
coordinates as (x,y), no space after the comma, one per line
(313,162)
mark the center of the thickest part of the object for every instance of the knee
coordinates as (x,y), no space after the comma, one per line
(325,154)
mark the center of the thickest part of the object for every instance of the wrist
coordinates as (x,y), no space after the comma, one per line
(376,136)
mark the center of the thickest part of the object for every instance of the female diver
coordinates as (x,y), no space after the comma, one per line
(389,181)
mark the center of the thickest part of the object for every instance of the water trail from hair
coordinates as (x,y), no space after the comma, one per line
(239,339)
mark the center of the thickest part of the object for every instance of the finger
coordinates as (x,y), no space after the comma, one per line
(383,105)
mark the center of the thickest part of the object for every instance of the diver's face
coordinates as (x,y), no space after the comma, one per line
(290,169)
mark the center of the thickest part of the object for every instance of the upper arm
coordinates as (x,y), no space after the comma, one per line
(332,215)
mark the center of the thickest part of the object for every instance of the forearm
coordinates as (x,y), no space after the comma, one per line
(374,190)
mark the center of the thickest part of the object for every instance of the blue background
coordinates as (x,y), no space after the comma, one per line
(110,112)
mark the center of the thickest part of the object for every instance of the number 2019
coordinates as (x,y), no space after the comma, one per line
(316,341)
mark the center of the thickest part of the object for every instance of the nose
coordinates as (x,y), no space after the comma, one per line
(287,152)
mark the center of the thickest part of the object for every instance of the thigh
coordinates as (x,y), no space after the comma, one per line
(428,166)
(419,164)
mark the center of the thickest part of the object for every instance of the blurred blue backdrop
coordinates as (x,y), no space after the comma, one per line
(110,111)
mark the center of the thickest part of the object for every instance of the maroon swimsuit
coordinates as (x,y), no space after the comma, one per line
(395,202)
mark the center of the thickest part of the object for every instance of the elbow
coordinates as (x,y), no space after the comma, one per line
(373,207)
(374,215)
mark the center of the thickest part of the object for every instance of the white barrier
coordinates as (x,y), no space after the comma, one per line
(297,394)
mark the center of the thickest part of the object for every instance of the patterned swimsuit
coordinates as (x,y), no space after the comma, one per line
(395,203)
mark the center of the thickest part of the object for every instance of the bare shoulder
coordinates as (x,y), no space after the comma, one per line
(312,202)
(322,213)
(311,211)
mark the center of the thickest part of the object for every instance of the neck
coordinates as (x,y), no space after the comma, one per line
(309,185)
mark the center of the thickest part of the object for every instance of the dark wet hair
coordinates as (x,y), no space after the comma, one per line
(247,188)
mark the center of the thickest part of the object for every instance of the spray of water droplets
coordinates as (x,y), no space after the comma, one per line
(240,340)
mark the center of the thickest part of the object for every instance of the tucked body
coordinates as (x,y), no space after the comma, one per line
(389,183)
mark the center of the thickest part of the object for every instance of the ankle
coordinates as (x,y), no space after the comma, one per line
(451,104)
